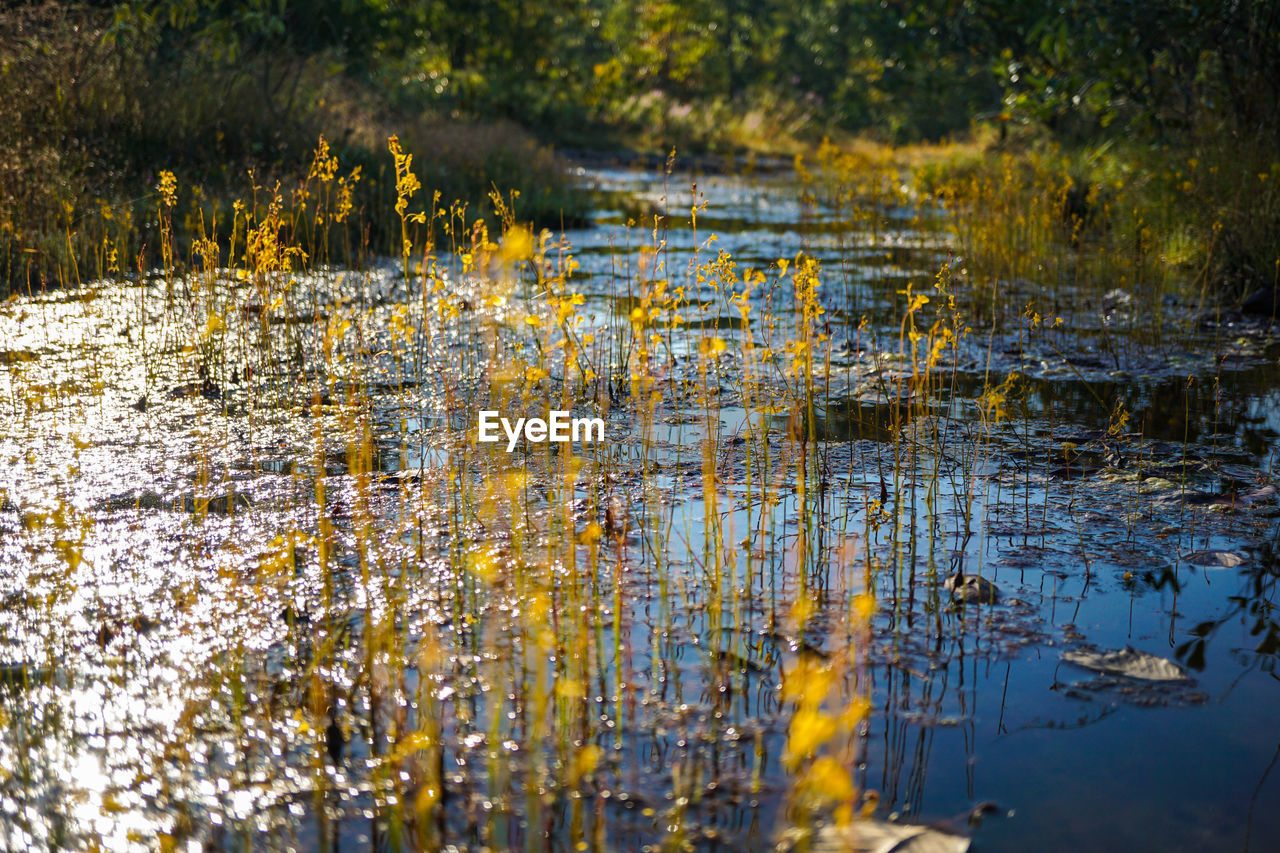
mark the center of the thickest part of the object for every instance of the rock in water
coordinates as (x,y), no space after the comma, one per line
(874,836)
(1214,559)
(1128,662)
(971,589)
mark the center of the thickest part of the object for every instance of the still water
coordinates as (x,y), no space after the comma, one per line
(241,604)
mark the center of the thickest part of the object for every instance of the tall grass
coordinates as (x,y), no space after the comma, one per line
(1190,223)
(417,630)
(396,626)
(90,115)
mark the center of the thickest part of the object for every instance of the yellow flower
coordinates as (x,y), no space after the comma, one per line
(586,760)
(168,188)
(828,780)
(710,346)
(517,245)
(810,729)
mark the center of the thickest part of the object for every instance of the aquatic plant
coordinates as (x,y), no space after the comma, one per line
(265,585)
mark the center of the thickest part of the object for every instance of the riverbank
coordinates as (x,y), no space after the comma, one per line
(95,108)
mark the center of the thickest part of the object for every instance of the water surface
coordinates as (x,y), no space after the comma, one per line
(258,589)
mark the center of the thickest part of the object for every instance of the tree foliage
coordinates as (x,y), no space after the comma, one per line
(907,69)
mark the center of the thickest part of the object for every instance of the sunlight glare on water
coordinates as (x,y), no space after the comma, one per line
(260,586)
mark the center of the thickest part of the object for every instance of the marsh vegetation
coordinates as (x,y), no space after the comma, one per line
(265,586)
(935,484)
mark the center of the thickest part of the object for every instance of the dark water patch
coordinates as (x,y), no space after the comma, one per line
(851,420)
(149,501)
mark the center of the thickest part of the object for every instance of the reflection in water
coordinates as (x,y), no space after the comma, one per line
(294,606)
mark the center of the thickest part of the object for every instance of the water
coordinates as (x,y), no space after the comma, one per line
(257,590)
